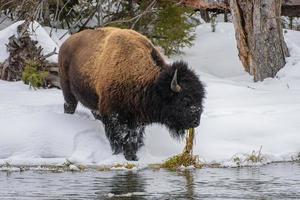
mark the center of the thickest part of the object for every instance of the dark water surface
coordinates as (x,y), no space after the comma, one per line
(273,181)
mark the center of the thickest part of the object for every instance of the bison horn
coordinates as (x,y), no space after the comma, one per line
(175,87)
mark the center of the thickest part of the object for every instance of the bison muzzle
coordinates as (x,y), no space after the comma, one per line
(123,79)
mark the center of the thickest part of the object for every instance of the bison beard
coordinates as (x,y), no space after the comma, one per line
(147,91)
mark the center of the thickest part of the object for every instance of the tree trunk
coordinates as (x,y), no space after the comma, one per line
(205,15)
(225,16)
(46,14)
(291,23)
(259,36)
(100,13)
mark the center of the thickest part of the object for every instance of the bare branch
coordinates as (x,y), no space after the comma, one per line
(48,54)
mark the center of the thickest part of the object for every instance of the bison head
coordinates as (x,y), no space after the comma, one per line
(181,96)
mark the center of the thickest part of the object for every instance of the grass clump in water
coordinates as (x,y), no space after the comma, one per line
(186,158)
(255,157)
(127,166)
(249,159)
(182,160)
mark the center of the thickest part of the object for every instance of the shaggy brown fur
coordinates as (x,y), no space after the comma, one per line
(107,59)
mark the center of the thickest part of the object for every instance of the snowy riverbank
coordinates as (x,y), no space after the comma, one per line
(240,116)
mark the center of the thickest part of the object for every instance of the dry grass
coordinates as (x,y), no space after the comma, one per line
(180,160)
(127,166)
(186,158)
(117,167)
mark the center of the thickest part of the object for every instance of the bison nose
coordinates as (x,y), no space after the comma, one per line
(196,121)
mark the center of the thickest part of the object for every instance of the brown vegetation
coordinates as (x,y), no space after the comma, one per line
(23,50)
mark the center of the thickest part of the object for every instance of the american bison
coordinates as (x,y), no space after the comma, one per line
(123,79)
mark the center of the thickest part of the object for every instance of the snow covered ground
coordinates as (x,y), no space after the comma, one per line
(240,116)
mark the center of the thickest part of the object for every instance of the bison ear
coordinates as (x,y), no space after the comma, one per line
(175,87)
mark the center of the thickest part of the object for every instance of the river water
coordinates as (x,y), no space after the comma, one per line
(273,181)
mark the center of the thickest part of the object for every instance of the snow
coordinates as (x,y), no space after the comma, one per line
(57,35)
(211,51)
(240,116)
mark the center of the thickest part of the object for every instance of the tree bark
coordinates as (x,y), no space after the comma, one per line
(291,23)
(205,15)
(46,14)
(259,36)
(225,16)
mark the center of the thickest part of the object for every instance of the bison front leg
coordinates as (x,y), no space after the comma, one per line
(132,142)
(115,132)
(122,138)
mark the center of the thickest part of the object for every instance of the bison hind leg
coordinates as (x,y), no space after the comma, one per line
(132,142)
(70,100)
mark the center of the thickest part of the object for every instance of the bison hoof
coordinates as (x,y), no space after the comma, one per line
(69,108)
(131,157)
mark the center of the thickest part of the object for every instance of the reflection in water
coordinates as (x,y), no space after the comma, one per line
(189,183)
(274,181)
(125,185)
